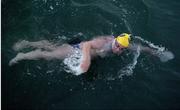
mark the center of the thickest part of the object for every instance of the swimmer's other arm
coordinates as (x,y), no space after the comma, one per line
(134,47)
(86,59)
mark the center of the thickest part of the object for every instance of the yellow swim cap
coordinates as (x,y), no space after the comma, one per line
(123,39)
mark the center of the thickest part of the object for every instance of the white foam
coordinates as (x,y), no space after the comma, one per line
(73,62)
(161,52)
(150,44)
(51,7)
(128,70)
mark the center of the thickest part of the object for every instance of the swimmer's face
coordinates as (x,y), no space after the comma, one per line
(117,48)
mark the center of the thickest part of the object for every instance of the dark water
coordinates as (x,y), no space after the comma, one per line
(45,85)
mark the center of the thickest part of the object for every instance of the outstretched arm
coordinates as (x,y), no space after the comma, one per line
(164,56)
(134,47)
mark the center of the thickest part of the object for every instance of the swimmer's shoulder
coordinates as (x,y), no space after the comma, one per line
(105,37)
(100,41)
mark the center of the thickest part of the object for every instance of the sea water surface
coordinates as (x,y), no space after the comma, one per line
(130,81)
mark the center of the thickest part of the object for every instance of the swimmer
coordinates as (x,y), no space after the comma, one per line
(101,46)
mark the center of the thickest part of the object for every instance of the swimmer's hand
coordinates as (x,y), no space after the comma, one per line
(78,70)
(84,67)
(165,56)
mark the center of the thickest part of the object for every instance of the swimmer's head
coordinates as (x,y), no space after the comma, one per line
(123,39)
(120,43)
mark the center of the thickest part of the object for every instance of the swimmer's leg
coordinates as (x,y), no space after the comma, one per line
(60,53)
(44,44)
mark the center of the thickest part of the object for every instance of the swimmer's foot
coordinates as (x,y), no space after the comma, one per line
(13,62)
(16,59)
(21,45)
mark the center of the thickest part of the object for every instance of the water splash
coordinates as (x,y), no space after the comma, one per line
(150,44)
(161,52)
(128,70)
(73,62)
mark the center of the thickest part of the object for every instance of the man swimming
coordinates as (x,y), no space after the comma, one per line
(101,46)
